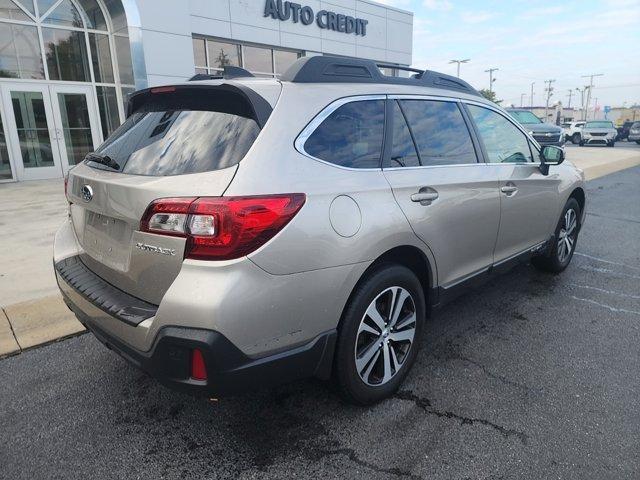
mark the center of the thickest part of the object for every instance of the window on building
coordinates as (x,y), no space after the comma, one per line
(77,40)
(503,141)
(351,136)
(440,132)
(66,53)
(222,54)
(210,56)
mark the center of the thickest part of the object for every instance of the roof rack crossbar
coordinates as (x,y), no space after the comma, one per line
(330,69)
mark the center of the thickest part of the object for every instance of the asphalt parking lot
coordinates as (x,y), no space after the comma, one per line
(530,376)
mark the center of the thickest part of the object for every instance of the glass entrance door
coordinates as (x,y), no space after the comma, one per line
(31,132)
(51,127)
(6,170)
(77,129)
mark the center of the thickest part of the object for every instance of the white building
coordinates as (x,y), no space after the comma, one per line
(67,66)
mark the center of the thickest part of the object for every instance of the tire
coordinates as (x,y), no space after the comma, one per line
(581,144)
(365,343)
(638,142)
(575,138)
(557,258)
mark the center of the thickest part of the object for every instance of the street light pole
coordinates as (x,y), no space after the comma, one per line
(491,79)
(590,77)
(570,93)
(522,95)
(459,62)
(549,91)
(532,84)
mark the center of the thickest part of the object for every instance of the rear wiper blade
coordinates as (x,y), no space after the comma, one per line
(103,160)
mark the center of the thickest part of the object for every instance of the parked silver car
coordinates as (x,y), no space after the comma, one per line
(599,132)
(239,232)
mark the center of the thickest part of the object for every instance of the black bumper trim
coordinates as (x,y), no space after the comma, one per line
(229,371)
(103,295)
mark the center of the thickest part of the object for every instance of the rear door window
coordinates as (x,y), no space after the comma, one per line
(440,132)
(351,136)
(161,140)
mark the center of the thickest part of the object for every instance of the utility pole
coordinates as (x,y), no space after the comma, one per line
(459,62)
(582,111)
(549,91)
(590,77)
(532,84)
(570,93)
(491,79)
(522,95)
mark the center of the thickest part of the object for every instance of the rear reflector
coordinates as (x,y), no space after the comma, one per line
(222,228)
(198,368)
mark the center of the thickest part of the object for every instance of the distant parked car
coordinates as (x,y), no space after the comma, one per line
(634,133)
(572,131)
(544,133)
(623,130)
(599,132)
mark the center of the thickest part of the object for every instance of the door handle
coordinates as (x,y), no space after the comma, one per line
(424,197)
(509,189)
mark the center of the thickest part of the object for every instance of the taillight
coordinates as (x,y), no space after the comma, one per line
(221,228)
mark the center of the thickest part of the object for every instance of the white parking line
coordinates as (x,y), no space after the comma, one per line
(590,268)
(608,307)
(606,261)
(589,287)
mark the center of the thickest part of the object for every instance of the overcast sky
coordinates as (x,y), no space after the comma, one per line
(532,41)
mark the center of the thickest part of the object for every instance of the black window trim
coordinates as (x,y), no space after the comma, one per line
(531,141)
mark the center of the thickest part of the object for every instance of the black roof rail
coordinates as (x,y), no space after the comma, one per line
(228,72)
(329,69)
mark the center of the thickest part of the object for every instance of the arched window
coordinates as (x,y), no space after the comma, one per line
(70,41)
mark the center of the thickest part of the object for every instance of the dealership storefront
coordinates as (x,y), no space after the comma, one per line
(67,66)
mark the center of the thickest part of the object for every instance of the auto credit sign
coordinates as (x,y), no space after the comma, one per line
(325,19)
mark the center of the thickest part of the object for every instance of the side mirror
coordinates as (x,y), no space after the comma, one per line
(550,155)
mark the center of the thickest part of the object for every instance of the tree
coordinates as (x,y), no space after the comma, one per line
(489,95)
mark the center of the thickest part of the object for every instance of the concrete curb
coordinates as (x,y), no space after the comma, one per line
(35,323)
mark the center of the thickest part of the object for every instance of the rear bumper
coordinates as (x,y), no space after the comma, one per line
(633,137)
(229,370)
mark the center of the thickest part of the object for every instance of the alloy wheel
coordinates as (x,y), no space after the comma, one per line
(385,336)
(567,235)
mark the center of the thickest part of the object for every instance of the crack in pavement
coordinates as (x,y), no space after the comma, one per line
(497,376)
(351,454)
(425,405)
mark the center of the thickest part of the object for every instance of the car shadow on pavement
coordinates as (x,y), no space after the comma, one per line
(306,422)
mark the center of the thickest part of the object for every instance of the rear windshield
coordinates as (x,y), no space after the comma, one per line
(161,141)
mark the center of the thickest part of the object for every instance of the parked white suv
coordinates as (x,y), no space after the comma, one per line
(573,131)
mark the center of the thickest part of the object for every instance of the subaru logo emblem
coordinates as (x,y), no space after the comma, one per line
(87,193)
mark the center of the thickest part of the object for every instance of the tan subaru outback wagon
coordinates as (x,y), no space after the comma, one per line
(239,232)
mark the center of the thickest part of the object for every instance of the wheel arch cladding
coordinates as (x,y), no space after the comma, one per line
(408,256)
(578,194)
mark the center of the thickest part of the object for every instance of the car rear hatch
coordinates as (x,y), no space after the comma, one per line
(182,141)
